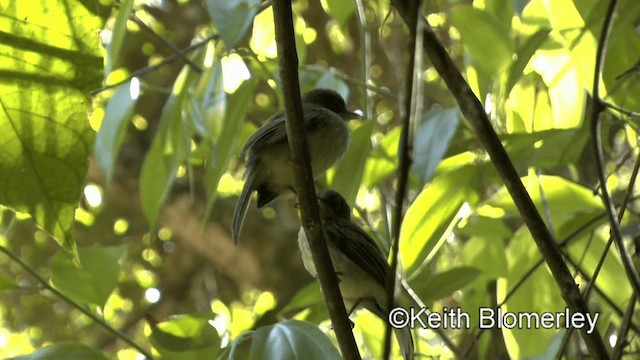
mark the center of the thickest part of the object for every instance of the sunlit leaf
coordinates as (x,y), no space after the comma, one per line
(431,215)
(479,28)
(117,35)
(47,67)
(292,339)
(308,298)
(186,337)
(563,199)
(524,54)
(67,351)
(112,129)
(95,280)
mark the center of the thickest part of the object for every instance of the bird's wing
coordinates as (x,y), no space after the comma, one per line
(359,247)
(274,130)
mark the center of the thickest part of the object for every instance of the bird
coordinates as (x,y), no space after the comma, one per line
(269,171)
(359,264)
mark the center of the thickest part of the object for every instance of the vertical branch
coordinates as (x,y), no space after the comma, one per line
(298,148)
(405,147)
(596,108)
(365,40)
(473,110)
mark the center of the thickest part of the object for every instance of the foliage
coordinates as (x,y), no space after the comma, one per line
(129,161)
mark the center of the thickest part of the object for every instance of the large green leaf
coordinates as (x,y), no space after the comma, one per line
(341,10)
(431,216)
(67,351)
(292,340)
(95,280)
(46,69)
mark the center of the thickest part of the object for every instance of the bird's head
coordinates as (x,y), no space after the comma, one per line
(331,100)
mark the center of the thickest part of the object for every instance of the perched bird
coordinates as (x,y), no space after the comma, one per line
(269,170)
(359,263)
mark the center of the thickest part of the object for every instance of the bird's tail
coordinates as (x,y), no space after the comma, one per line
(243,204)
(417,303)
(405,340)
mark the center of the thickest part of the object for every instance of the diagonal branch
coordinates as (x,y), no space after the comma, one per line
(474,112)
(298,148)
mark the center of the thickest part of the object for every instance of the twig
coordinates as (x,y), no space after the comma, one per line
(45,284)
(621,110)
(405,148)
(147,69)
(596,108)
(176,51)
(298,148)
(473,110)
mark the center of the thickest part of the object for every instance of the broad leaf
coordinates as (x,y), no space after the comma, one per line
(292,339)
(46,69)
(186,337)
(95,280)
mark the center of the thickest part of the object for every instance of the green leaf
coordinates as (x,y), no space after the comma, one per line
(563,198)
(341,10)
(186,337)
(95,280)
(546,149)
(116,116)
(117,35)
(46,67)
(478,29)
(432,140)
(168,150)
(383,160)
(437,286)
(348,172)
(232,18)
(292,339)
(524,54)
(431,216)
(226,143)
(67,351)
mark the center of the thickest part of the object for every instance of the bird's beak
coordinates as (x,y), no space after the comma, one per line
(348,115)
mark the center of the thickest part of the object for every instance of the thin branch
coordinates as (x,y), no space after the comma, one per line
(169,45)
(596,108)
(298,148)
(365,41)
(474,111)
(622,341)
(147,69)
(45,284)
(405,148)
(629,113)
